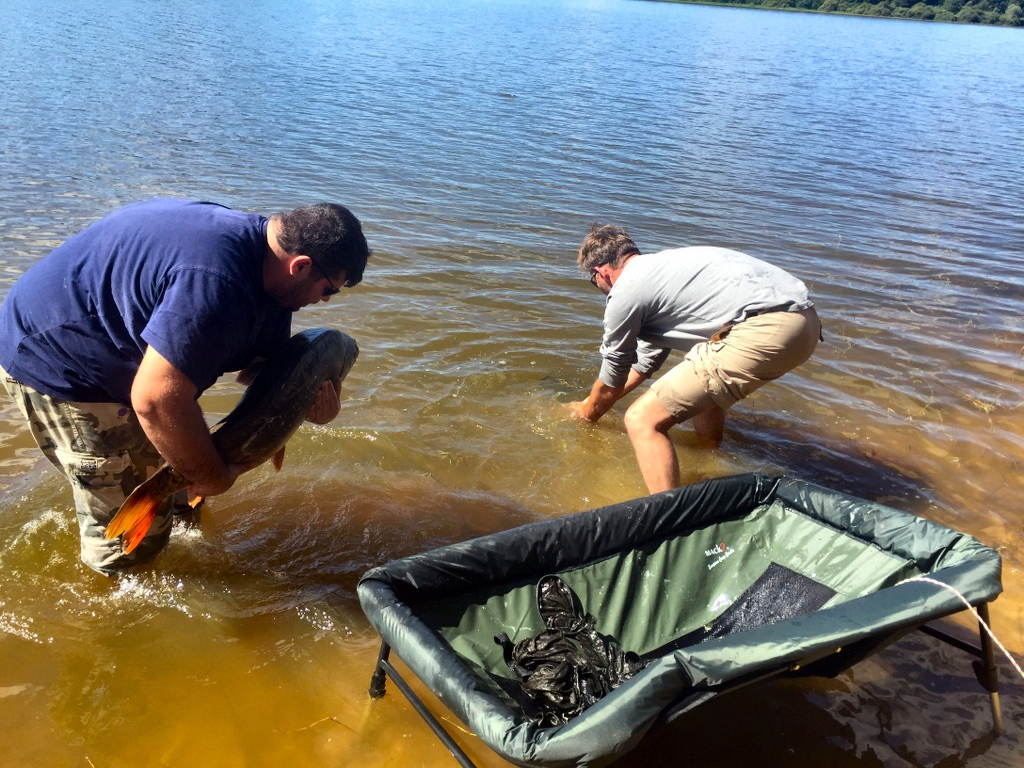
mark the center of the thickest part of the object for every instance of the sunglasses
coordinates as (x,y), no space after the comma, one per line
(593,278)
(333,290)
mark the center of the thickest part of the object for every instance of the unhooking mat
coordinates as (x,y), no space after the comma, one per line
(712,585)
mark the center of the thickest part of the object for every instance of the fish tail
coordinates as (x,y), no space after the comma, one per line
(135,516)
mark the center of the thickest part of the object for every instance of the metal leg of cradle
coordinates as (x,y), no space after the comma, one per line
(988,674)
(377,682)
(985,669)
(379,675)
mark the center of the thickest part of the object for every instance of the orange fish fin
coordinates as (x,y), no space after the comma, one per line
(278,459)
(133,537)
(195,501)
(135,516)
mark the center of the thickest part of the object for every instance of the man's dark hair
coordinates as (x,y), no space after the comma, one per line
(605,245)
(330,235)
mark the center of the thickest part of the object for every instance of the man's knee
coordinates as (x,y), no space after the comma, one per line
(100,485)
(647,415)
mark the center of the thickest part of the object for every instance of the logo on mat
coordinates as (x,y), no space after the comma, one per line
(720,551)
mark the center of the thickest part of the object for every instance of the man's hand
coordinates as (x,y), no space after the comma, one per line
(597,404)
(327,403)
(602,398)
(580,410)
(210,485)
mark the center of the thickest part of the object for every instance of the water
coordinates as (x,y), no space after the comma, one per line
(879,161)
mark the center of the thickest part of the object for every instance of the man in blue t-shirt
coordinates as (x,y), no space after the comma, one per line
(108,341)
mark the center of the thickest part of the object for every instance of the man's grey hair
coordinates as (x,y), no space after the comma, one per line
(606,244)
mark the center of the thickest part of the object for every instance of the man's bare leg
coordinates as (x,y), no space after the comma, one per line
(647,423)
(710,426)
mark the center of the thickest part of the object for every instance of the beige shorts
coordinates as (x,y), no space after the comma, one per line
(747,356)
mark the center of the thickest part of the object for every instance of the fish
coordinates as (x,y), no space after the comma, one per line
(259,426)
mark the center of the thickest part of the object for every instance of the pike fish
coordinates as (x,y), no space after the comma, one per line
(266,416)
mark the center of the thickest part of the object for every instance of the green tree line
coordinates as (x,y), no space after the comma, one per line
(1004,12)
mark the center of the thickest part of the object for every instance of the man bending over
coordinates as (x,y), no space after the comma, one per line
(742,323)
(107,342)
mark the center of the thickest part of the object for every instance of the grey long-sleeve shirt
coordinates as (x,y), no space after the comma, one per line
(676,298)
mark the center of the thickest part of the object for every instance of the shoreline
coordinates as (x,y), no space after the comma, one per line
(977,16)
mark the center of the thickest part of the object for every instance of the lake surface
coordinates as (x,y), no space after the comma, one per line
(879,161)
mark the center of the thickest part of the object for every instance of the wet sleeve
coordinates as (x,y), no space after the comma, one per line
(649,357)
(622,322)
(201,320)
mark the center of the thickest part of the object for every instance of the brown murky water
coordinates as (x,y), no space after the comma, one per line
(876,160)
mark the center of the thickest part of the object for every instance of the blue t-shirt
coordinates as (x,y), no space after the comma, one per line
(183,277)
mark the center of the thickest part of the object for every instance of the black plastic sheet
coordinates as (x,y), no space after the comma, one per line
(569,666)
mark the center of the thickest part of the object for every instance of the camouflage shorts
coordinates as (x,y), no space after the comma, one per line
(103,452)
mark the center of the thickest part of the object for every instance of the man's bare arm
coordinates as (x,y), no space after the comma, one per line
(635,380)
(164,400)
(602,397)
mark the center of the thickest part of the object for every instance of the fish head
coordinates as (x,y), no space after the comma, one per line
(339,351)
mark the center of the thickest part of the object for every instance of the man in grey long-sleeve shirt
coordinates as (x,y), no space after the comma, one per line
(742,323)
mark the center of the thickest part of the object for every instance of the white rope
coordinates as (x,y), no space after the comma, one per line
(971,609)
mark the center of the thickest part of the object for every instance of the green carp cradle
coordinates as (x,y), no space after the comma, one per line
(266,416)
